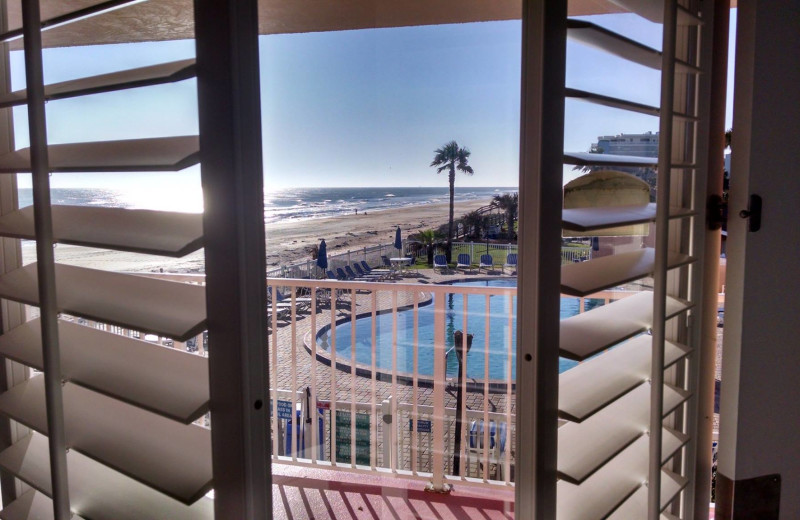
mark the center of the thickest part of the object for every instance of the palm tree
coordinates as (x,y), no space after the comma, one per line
(451,158)
(428,238)
(509,203)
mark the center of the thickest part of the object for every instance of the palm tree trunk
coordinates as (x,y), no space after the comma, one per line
(452,212)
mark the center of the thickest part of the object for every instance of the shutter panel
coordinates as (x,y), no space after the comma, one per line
(128,405)
(607,447)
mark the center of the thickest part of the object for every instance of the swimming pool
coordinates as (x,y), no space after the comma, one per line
(500,307)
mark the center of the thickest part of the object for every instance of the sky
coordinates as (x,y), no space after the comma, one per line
(357,108)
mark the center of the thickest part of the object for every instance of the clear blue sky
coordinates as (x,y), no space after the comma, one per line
(358,108)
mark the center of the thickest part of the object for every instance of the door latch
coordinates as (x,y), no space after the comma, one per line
(753,213)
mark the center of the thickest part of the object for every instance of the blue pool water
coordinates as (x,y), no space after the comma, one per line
(500,307)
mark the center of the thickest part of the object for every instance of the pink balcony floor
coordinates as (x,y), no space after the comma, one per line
(302,493)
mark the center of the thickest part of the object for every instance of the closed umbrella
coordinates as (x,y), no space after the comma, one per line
(322,256)
(398,241)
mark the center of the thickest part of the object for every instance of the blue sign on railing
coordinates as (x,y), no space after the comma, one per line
(422,426)
(284,409)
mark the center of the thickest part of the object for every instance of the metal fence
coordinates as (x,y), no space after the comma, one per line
(372,255)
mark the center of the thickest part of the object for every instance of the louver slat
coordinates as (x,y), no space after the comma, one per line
(609,487)
(585,447)
(96,491)
(593,35)
(636,505)
(163,454)
(172,309)
(617,45)
(131,155)
(588,387)
(584,278)
(588,333)
(599,99)
(32,505)
(605,159)
(653,10)
(160,379)
(133,78)
(136,230)
(591,219)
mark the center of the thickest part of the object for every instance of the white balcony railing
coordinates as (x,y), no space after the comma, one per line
(380,384)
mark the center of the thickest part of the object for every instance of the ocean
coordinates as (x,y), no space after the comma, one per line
(289,204)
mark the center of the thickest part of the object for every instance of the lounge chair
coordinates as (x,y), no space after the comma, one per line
(487,262)
(464,262)
(303,303)
(496,449)
(511,261)
(364,275)
(439,262)
(369,270)
(341,275)
(384,275)
(351,275)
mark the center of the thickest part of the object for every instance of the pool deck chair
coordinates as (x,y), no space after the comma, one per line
(487,262)
(495,454)
(439,262)
(511,261)
(464,262)
(369,270)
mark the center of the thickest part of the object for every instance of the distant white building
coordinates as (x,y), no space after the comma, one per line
(639,145)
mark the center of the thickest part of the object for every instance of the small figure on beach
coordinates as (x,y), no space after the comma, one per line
(356,211)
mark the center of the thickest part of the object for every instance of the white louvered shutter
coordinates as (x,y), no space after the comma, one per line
(637,350)
(128,405)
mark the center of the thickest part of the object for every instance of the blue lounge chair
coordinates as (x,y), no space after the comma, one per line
(487,262)
(364,275)
(464,262)
(511,261)
(439,262)
(369,270)
(340,274)
(497,445)
(351,275)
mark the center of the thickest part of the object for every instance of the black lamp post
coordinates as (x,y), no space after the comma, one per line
(458,340)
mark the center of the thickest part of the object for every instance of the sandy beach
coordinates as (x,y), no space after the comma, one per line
(287,242)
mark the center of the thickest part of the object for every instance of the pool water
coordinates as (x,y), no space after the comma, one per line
(500,307)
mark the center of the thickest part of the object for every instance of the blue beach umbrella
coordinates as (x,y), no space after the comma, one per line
(398,241)
(322,255)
